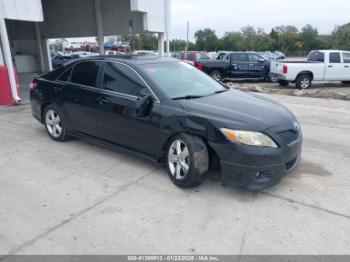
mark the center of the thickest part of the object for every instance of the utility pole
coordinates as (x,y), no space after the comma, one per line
(188,29)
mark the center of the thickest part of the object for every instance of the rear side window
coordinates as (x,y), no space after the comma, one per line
(240,57)
(85,73)
(65,76)
(316,57)
(334,57)
(119,78)
(189,57)
(200,56)
(346,57)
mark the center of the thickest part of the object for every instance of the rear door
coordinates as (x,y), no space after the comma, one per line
(239,65)
(116,110)
(334,67)
(346,66)
(78,95)
(256,66)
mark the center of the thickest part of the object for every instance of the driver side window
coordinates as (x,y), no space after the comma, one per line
(121,79)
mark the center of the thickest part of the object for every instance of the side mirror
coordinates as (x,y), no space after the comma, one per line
(143,105)
(261,60)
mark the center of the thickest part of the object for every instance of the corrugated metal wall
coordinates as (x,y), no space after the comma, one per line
(154,17)
(28,10)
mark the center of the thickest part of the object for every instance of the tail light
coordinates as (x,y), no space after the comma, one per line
(33,85)
(200,66)
(285,69)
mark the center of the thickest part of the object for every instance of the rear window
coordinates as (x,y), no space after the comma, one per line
(316,57)
(200,56)
(334,57)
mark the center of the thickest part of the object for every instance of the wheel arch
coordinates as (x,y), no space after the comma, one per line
(214,159)
(42,110)
(308,73)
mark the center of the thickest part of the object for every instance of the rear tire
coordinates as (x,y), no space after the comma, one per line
(216,75)
(283,82)
(303,82)
(186,160)
(54,124)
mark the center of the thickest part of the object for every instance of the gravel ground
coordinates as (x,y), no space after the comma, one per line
(335,90)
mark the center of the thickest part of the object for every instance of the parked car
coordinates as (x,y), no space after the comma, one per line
(145,53)
(58,59)
(213,55)
(113,53)
(237,65)
(81,54)
(194,57)
(279,55)
(172,113)
(321,65)
(176,55)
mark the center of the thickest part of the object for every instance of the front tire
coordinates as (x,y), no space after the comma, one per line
(216,75)
(303,82)
(187,160)
(346,82)
(54,124)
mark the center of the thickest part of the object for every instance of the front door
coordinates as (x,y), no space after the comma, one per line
(117,117)
(256,66)
(239,65)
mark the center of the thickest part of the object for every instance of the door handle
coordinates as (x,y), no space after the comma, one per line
(57,89)
(330,66)
(346,66)
(102,100)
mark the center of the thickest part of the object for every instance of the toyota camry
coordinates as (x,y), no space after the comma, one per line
(172,113)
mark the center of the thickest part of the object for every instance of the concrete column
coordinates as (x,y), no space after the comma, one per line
(99,26)
(8,59)
(167,25)
(161,44)
(46,55)
(40,47)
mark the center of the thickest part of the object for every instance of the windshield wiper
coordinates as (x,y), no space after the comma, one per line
(186,97)
(221,91)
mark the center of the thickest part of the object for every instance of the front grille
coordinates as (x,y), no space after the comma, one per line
(289,136)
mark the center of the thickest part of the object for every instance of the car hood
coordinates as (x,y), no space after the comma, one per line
(239,110)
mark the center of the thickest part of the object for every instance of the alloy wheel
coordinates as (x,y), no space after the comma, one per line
(53,123)
(178,159)
(305,83)
(216,76)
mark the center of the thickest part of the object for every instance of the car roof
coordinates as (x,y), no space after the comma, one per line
(130,59)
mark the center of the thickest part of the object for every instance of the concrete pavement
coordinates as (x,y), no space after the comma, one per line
(76,198)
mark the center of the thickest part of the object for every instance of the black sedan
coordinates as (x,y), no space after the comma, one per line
(172,113)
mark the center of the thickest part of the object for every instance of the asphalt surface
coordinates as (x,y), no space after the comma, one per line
(77,198)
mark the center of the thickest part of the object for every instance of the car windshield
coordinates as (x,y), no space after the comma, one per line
(181,80)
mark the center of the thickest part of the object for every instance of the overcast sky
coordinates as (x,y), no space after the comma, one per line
(229,15)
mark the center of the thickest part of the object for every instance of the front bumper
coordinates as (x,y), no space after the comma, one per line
(256,168)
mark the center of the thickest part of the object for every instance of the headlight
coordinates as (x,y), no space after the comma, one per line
(248,138)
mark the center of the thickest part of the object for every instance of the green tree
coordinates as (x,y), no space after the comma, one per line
(206,40)
(309,37)
(341,37)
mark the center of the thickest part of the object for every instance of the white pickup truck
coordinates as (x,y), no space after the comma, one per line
(321,65)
